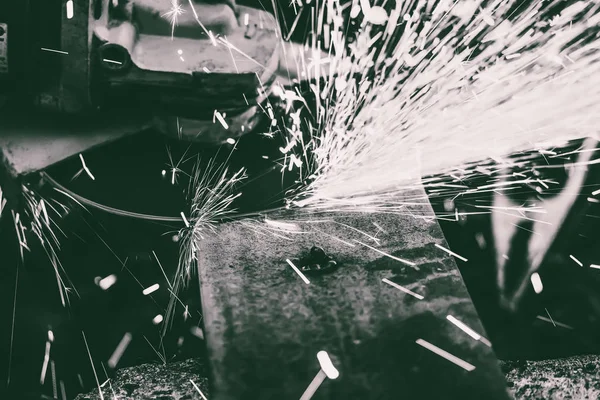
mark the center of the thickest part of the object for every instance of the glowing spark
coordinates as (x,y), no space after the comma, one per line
(594,266)
(298,271)
(185,221)
(327,371)
(246,19)
(157,320)
(550,316)
(468,330)
(173,15)
(405,290)
(536,281)
(596,192)
(55,51)
(151,289)
(69,9)
(45,363)
(118,353)
(198,390)
(197,331)
(386,254)
(576,260)
(592,200)
(112,61)
(451,252)
(221,119)
(552,321)
(107,282)
(50,336)
(93,367)
(87,170)
(446,355)
(231,141)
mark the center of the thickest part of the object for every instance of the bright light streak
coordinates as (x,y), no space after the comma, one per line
(151,289)
(451,253)
(402,288)
(107,282)
(576,260)
(120,350)
(536,281)
(298,271)
(70,9)
(442,353)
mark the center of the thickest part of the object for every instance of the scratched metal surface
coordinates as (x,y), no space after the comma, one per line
(264,325)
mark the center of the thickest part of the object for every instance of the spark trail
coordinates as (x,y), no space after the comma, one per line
(437,86)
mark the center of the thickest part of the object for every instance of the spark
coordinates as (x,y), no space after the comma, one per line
(221,119)
(157,320)
(211,195)
(151,289)
(93,368)
(550,316)
(107,282)
(468,330)
(70,9)
(118,353)
(405,290)
(467,86)
(552,321)
(230,140)
(412,264)
(451,252)
(198,390)
(85,167)
(442,353)
(576,260)
(45,363)
(536,281)
(55,51)
(298,271)
(173,15)
(112,61)
(594,266)
(197,331)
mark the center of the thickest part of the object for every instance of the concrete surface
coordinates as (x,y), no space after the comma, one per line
(156,382)
(571,378)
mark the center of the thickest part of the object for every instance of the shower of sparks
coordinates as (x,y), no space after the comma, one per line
(291,264)
(446,355)
(405,290)
(211,194)
(173,15)
(451,252)
(429,88)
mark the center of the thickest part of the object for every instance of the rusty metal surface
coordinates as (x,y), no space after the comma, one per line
(264,325)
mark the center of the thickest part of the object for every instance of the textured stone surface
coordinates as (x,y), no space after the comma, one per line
(264,325)
(155,382)
(564,378)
